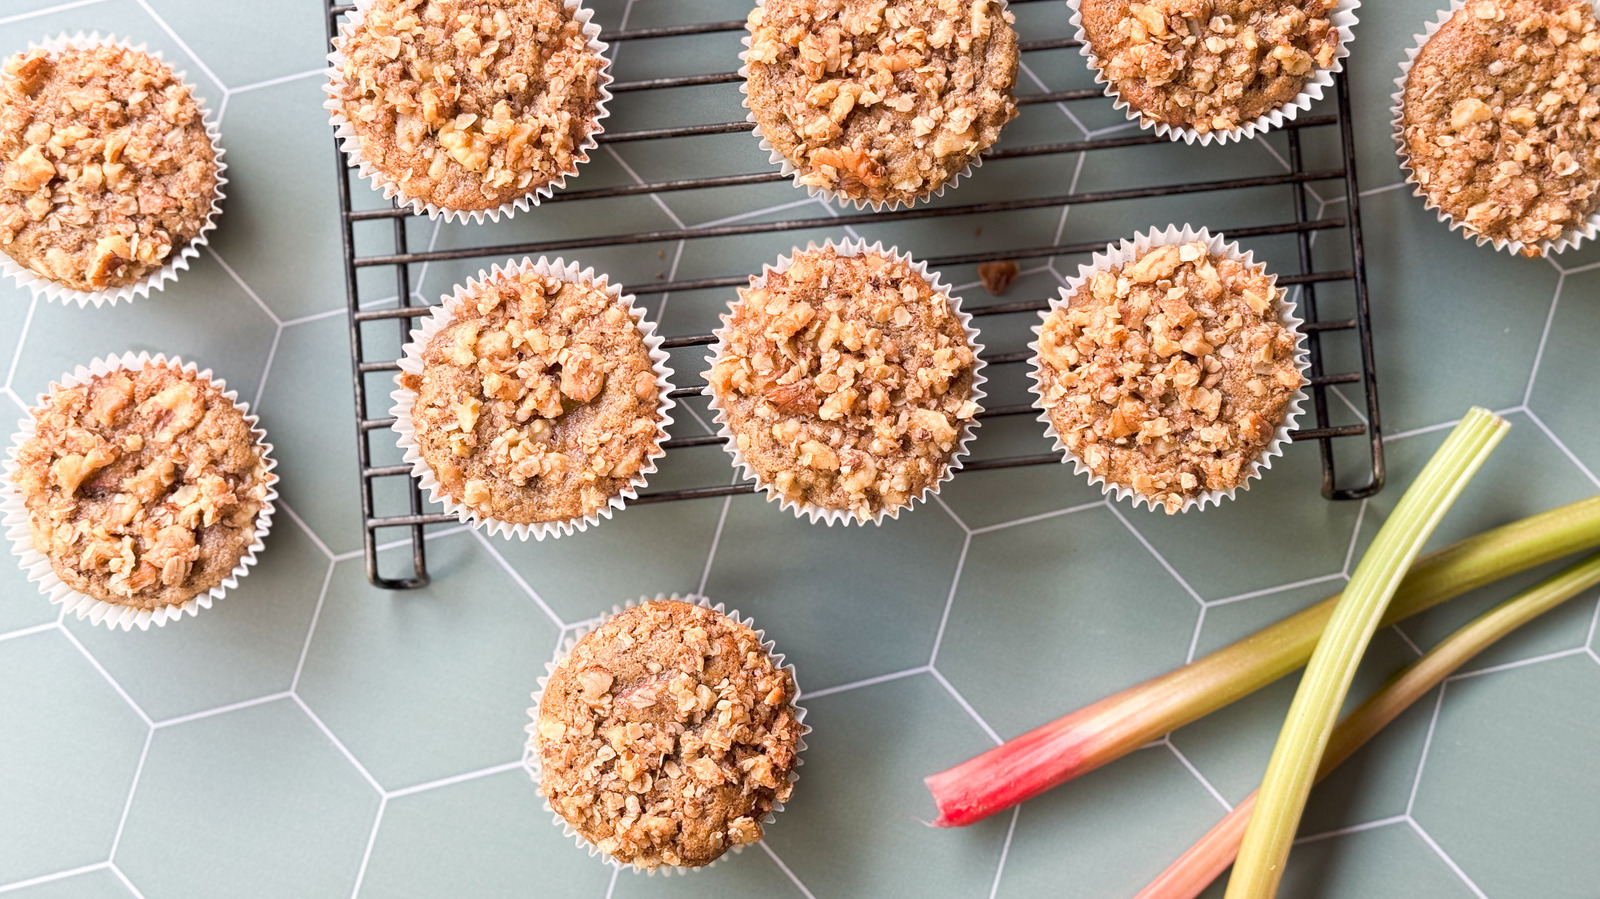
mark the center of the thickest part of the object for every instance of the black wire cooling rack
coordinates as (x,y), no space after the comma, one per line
(392,507)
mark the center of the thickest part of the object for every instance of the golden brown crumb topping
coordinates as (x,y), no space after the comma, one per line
(881,101)
(1171,374)
(1501,118)
(538,402)
(1209,65)
(846,381)
(470,104)
(667,735)
(142,487)
(108,170)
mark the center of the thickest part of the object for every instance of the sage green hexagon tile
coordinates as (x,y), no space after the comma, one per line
(246,645)
(68,753)
(428,683)
(97,884)
(987,498)
(1040,626)
(1262,532)
(279,229)
(16,305)
(1388,862)
(1569,360)
(751,872)
(1110,831)
(489,838)
(857,825)
(230,44)
(1510,788)
(844,603)
(252,802)
(182,320)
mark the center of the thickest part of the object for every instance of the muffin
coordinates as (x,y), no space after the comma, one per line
(846,382)
(109,173)
(468,106)
(880,104)
(144,486)
(1167,371)
(1498,121)
(668,735)
(534,398)
(1209,66)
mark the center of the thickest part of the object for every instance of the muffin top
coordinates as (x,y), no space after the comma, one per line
(847,381)
(108,171)
(667,735)
(470,104)
(1501,118)
(1209,65)
(143,486)
(538,402)
(881,102)
(1169,375)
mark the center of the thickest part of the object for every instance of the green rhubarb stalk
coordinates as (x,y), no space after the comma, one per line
(1312,714)
(1205,861)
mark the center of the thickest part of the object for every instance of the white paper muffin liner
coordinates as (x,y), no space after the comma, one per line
(179,260)
(789,170)
(953,462)
(442,315)
(14,514)
(1343,18)
(350,143)
(531,762)
(1123,253)
(1568,241)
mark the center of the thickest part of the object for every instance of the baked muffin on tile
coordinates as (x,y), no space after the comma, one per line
(1169,375)
(108,172)
(846,381)
(469,105)
(880,103)
(667,735)
(1499,119)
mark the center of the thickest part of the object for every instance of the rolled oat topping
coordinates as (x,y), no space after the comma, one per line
(470,104)
(107,168)
(1209,65)
(1501,118)
(667,735)
(881,101)
(142,487)
(846,381)
(538,402)
(1171,374)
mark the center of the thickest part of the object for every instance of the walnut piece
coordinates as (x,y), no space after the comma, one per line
(997,276)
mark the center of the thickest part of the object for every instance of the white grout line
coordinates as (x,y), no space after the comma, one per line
(1354,828)
(754,213)
(1573,457)
(785,869)
(273,82)
(49,10)
(283,507)
(1439,851)
(57,875)
(12,395)
(73,639)
(248,290)
(611,885)
(864,682)
(455,779)
(27,631)
(966,706)
(1059,104)
(1005,850)
(716,538)
(949,600)
(1194,639)
(126,883)
(1273,152)
(404,541)
(1355,537)
(1406,639)
(1268,591)
(672,275)
(182,45)
(266,369)
(319,316)
(338,744)
(517,576)
(1578,269)
(1594,623)
(1544,337)
(1417,432)
(127,803)
(220,710)
(22,338)
(1520,663)
(1354,410)
(1374,191)
(311,629)
(1158,557)
(672,216)
(366,854)
(1215,794)
(1042,516)
(1427,743)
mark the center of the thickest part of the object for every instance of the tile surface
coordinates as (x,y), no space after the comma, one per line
(313,736)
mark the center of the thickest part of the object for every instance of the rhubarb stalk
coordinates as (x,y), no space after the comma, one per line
(1109,729)
(1188,877)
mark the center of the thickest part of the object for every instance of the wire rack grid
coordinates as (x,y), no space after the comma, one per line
(1345,429)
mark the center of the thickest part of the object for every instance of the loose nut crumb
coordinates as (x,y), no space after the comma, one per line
(879,101)
(1170,374)
(107,168)
(1501,118)
(1209,65)
(667,735)
(997,276)
(846,380)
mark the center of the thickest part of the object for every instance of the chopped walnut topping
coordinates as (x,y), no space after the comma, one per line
(538,402)
(1501,118)
(881,101)
(470,104)
(1171,374)
(1209,65)
(667,735)
(106,170)
(142,487)
(846,380)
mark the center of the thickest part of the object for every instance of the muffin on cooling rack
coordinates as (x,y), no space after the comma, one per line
(468,107)
(847,382)
(1498,122)
(668,735)
(879,104)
